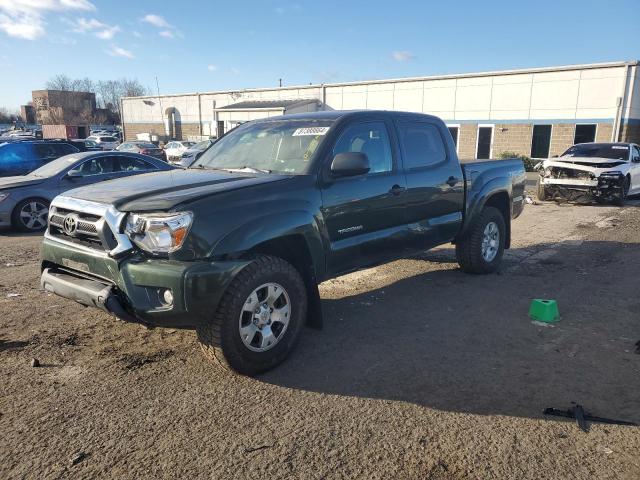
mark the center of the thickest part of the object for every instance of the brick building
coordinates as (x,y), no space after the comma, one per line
(56,107)
(537,112)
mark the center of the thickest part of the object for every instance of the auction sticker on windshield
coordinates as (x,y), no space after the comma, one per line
(310,131)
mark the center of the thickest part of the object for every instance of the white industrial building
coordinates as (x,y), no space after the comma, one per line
(537,112)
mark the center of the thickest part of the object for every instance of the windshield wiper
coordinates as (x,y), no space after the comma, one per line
(248,169)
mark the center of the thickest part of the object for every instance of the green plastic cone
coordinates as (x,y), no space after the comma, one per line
(544,310)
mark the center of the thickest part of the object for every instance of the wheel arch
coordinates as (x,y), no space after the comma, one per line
(294,249)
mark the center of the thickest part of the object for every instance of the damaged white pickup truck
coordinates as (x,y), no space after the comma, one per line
(604,172)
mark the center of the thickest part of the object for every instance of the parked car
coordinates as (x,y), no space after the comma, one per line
(85,145)
(21,156)
(175,149)
(143,148)
(105,142)
(24,200)
(235,245)
(607,172)
(193,153)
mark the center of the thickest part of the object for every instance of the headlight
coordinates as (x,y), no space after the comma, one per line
(3,196)
(158,232)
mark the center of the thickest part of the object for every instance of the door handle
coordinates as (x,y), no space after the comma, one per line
(396,190)
(452,181)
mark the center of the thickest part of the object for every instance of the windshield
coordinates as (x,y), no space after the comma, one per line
(55,166)
(600,150)
(285,146)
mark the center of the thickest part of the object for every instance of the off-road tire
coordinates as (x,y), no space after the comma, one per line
(220,337)
(469,248)
(17,223)
(541,191)
(621,197)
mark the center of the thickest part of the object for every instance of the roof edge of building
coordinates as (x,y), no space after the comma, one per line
(586,66)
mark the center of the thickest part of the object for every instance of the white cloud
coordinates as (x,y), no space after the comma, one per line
(83,25)
(25,19)
(137,34)
(108,33)
(212,68)
(403,56)
(99,29)
(119,52)
(156,21)
(167,30)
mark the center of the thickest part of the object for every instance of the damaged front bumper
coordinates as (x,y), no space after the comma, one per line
(133,288)
(607,186)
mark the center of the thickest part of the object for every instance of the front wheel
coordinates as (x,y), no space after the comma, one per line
(621,197)
(30,215)
(541,191)
(259,318)
(481,250)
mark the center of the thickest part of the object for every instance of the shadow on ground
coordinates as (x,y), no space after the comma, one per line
(464,343)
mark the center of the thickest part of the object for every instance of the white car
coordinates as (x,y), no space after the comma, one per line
(175,149)
(603,171)
(105,142)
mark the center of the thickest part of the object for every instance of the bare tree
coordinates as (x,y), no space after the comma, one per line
(60,82)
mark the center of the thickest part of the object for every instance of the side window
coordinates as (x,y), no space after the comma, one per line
(127,164)
(370,138)
(65,149)
(96,166)
(422,145)
(169,145)
(636,153)
(46,151)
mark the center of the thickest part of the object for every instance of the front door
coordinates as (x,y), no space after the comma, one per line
(364,214)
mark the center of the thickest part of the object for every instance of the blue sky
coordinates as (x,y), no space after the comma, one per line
(213,45)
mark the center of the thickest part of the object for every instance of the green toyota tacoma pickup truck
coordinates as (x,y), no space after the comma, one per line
(236,245)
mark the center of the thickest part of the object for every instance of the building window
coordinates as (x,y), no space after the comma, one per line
(454,130)
(485,137)
(585,133)
(540,141)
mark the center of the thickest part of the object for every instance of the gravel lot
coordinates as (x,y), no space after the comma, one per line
(420,372)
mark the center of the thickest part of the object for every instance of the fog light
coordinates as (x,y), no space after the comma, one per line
(167,296)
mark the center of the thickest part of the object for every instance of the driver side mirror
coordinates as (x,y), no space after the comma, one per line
(74,174)
(349,164)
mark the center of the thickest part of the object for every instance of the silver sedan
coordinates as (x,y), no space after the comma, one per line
(24,200)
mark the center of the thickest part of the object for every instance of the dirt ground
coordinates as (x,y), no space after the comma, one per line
(420,372)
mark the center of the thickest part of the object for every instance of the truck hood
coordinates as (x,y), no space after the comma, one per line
(165,190)
(19,181)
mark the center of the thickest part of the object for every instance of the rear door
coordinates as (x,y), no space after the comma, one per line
(364,214)
(124,166)
(435,186)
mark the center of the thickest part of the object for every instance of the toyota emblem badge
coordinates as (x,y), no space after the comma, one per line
(70,224)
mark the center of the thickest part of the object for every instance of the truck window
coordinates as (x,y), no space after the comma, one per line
(422,145)
(370,138)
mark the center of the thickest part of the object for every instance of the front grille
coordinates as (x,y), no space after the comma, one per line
(88,230)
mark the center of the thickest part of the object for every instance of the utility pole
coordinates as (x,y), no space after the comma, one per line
(280,81)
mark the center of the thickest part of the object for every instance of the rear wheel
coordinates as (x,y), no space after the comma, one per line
(30,215)
(541,191)
(259,318)
(482,248)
